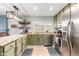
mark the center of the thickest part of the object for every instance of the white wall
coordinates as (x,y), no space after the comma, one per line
(15,30)
(41,23)
(39,18)
(38,24)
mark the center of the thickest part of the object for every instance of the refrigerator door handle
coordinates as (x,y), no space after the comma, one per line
(69,36)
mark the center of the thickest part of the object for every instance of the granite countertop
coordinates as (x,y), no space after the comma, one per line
(41,33)
(7,39)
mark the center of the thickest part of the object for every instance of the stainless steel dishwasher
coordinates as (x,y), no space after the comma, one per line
(48,40)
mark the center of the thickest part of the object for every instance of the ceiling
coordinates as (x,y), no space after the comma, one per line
(26,9)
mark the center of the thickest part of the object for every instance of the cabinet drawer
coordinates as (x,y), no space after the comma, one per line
(11,52)
(19,41)
(9,46)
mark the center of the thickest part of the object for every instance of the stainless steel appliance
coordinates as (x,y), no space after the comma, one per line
(48,40)
(66,49)
(70,26)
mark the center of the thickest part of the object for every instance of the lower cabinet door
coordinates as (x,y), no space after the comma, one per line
(23,46)
(11,52)
(29,40)
(1,51)
(25,41)
(34,40)
(41,41)
(18,50)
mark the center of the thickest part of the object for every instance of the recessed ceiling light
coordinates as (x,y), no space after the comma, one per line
(34,8)
(51,8)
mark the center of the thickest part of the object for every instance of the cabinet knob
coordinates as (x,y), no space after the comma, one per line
(16,48)
(10,45)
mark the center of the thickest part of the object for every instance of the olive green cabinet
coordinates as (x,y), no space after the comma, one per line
(8,50)
(11,52)
(35,39)
(28,41)
(41,40)
(18,47)
(14,48)
(9,46)
(23,44)
(1,50)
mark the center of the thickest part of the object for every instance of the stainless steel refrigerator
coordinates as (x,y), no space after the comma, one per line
(70,29)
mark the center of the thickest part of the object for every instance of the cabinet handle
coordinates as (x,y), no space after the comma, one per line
(16,48)
(10,45)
